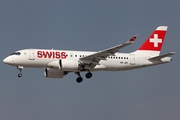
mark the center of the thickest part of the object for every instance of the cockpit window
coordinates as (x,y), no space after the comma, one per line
(16,53)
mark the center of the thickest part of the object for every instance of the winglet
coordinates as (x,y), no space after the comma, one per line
(133,38)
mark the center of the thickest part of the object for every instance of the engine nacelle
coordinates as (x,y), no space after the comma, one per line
(68,65)
(53,73)
(64,65)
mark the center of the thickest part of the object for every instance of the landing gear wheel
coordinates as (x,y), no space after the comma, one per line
(20,75)
(88,75)
(79,79)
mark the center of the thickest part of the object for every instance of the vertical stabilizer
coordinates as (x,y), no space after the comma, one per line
(155,42)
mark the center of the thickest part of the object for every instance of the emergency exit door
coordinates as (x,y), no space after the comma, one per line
(31,54)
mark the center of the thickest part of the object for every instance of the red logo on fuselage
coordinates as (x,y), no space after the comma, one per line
(51,54)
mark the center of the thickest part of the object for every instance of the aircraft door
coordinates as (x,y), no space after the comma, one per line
(132,59)
(31,54)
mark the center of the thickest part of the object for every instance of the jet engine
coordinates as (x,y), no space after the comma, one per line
(53,73)
(64,65)
(68,65)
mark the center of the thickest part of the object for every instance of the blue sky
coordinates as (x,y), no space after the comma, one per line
(148,93)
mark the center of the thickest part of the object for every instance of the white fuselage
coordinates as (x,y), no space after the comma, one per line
(39,58)
(58,63)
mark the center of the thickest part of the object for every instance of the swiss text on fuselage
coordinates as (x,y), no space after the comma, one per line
(51,54)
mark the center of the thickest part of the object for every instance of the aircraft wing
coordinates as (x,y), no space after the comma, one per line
(162,56)
(94,59)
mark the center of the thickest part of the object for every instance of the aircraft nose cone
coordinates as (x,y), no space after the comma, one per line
(7,60)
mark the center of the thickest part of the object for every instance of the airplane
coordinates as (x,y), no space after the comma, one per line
(58,63)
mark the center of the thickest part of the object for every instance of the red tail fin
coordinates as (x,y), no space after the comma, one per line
(155,41)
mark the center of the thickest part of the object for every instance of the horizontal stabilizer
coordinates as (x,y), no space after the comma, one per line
(162,56)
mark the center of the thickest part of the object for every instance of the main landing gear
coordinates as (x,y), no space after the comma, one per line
(80,79)
(88,75)
(20,69)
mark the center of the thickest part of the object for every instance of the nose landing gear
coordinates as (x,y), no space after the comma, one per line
(20,69)
(20,75)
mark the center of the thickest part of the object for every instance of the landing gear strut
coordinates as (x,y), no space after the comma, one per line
(20,69)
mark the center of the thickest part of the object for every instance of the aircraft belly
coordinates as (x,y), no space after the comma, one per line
(38,63)
(100,67)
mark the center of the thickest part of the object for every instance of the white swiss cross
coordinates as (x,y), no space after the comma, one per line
(155,40)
